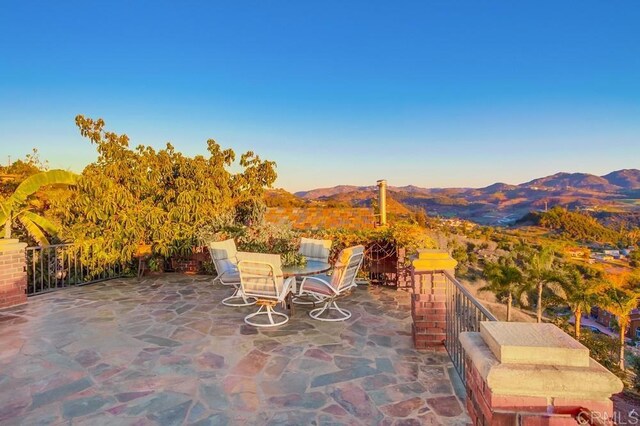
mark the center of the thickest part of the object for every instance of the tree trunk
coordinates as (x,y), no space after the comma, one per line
(7,228)
(509,301)
(539,302)
(623,328)
(578,314)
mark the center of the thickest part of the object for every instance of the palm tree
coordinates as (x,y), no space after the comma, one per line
(503,278)
(579,293)
(17,207)
(540,272)
(620,301)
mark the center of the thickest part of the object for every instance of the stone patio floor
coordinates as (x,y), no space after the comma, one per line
(165,351)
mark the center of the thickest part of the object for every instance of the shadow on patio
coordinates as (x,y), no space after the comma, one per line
(165,351)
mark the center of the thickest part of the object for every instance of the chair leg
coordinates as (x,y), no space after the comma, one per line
(329,306)
(307,299)
(267,310)
(237,294)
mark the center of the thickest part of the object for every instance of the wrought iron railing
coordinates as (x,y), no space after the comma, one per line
(63,265)
(464,313)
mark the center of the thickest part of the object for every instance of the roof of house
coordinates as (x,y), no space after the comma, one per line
(322,217)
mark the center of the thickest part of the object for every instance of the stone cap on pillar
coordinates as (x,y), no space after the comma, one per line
(538,377)
(527,343)
(434,260)
(11,244)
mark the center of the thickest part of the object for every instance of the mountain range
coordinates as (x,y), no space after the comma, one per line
(498,203)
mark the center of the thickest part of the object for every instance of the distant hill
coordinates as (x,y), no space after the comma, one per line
(315,194)
(627,178)
(282,198)
(573,181)
(500,203)
(574,225)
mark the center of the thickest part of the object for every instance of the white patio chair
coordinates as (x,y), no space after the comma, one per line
(261,278)
(326,289)
(225,257)
(315,249)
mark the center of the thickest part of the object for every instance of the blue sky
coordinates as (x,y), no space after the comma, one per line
(462,93)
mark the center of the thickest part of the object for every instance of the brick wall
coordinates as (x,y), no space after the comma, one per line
(13,278)
(428,310)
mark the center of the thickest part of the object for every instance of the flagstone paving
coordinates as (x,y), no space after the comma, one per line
(165,351)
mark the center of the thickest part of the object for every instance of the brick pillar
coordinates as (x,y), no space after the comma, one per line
(428,304)
(534,374)
(13,278)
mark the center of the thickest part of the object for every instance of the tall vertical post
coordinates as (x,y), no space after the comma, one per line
(382,201)
(429,298)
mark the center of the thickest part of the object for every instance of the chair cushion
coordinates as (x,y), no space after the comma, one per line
(226,266)
(230,277)
(313,286)
(224,255)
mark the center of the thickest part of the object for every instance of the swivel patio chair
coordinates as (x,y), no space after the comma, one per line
(315,249)
(225,257)
(326,289)
(261,278)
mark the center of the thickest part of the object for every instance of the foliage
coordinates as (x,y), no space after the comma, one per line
(602,348)
(580,290)
(12,175)
(540,271)
(575,225)
(620,301)
(504,280)
(160,197)
(155,264)
(18,206)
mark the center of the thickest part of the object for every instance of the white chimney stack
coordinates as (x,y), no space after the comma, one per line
(382,201)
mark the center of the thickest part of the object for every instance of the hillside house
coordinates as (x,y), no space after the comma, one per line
(634,325)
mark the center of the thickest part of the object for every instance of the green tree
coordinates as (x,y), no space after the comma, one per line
(580,293)
(161,198)
(503,279)
(620,301)
(18,206)
(540,272)
(12,175)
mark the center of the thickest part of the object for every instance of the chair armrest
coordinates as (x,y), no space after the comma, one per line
(286,287)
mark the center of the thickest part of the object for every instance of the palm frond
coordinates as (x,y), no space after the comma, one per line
(34,231)
(44,223)
(33,183)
